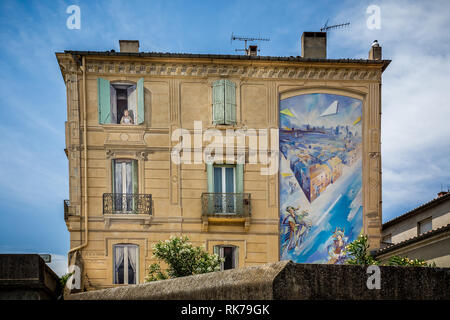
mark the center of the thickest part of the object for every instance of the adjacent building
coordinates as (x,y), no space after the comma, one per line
(128,112)
(422,233)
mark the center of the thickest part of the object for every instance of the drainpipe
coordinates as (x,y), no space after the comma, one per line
(83,68)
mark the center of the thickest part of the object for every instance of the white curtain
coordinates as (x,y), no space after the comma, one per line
(118,259)
(132,103)
(132,255)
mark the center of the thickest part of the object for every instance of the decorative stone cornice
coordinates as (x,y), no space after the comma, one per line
(326,72)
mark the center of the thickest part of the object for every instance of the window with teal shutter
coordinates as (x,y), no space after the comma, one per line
(120,103)
(224,102)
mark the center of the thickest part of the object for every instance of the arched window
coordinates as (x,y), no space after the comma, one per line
(126,263)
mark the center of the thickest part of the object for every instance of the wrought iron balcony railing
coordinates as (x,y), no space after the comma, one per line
(127,203)
(66,209)
(228,204)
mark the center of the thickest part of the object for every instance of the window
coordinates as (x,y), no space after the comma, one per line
(124,185)
(230,255)
(126,264)
(225,187)
(120,103)
(224,102)
(424,226)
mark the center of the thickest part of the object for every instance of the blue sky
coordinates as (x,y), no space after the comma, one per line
(33,166)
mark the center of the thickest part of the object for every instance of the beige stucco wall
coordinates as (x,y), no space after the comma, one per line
(177,92)
(407,229)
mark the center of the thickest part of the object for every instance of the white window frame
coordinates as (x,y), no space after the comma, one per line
(235,256)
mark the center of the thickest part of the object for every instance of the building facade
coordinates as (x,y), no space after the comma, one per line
(275,194)
(422,233)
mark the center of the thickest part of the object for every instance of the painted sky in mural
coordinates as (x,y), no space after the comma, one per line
(320,176)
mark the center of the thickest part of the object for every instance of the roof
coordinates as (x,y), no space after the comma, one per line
(417,210)
(113,53)
(415,239)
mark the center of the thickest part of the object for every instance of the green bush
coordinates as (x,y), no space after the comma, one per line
(359,254)
(182,258)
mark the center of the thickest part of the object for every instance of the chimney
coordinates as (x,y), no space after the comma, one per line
(129,45)
(314,45)
(252,50)
(375,51)
(442,193)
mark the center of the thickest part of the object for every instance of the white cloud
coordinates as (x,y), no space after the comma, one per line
(415,96)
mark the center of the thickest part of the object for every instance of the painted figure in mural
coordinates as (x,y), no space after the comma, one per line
(126,119)
(296,227)
(336,250)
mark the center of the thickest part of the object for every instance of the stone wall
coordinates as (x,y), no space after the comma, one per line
(287,280)
(26,277)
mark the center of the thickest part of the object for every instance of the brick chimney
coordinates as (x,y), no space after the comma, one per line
(129,45)
(314,45)
(375,51)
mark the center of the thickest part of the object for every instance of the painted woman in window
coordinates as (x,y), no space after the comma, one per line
(126,118)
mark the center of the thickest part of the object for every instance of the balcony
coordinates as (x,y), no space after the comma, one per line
(127,203)
(226,208)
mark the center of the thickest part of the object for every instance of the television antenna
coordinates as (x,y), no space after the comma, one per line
(245,39)
(326,27)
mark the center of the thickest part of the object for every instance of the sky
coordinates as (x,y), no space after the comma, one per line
(33,166)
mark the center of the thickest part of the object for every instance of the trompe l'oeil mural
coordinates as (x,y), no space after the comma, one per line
(320,177)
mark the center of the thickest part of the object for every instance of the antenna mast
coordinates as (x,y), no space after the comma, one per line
(326,27)
(245,39)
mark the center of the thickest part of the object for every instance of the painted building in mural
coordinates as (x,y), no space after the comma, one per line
(126,192)
(320,176)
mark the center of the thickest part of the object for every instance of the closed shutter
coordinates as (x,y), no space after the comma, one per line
(230,102)
(104,101)
(140,101)
(219,102)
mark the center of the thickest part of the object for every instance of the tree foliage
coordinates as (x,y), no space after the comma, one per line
(359,254)
(182,258)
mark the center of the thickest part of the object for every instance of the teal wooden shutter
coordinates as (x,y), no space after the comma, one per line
(140,100)
(210,174)
(239,188)
(239,178)
(104,101)
(230,102)
(134,173)
(219,102)
(210,195)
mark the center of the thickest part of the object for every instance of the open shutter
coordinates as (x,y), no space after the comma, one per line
(140,101)
(210,196)
(230,102)
(113,104)
(104,101)
(239,188)
(219,102)
(134,172)
(132,103)
(236,257)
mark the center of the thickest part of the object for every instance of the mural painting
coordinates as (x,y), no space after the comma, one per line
(320,177)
